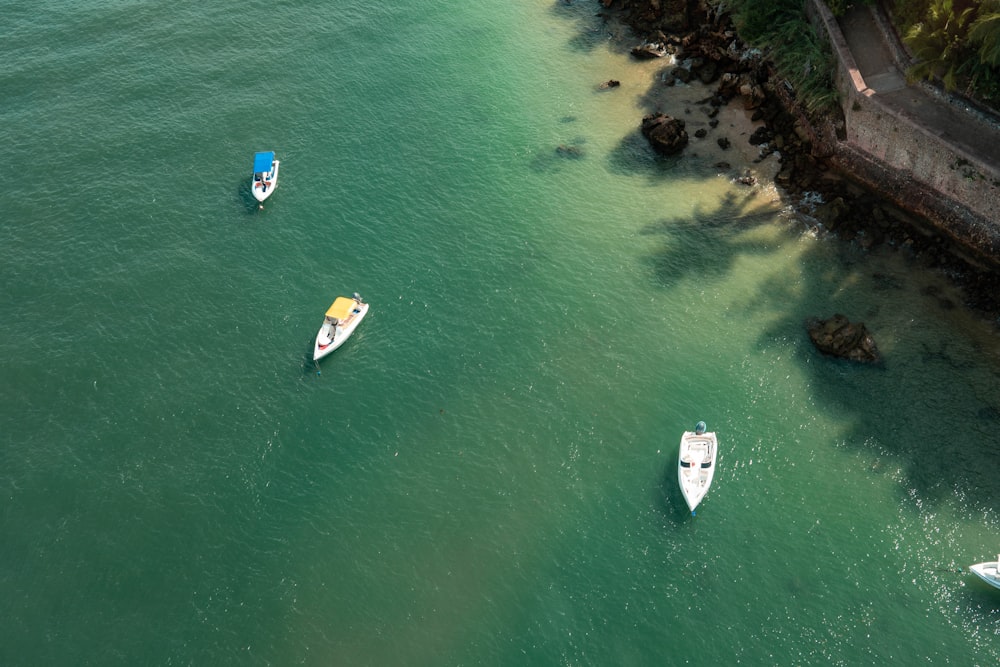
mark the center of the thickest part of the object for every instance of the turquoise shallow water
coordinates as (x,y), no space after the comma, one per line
(484,473)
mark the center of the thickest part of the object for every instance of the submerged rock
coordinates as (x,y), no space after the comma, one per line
(569,151)
(839,337)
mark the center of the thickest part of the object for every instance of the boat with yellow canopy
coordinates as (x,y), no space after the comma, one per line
(342,318)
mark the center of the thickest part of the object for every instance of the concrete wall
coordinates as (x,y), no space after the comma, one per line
(925,174)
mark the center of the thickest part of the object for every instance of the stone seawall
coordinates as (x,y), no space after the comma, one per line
(911,164)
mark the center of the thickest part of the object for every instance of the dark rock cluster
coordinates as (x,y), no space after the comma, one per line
(839,337)
(665,134)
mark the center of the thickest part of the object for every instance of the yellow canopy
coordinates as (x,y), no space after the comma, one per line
(341,308)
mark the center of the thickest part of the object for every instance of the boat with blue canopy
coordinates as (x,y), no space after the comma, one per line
(265,175)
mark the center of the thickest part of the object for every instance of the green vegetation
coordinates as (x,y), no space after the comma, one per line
(782,31)
(985,33)
(938,42)
(956,42)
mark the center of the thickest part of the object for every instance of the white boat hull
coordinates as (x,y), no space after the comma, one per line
(696,466)
(262,189)
(330,337)
(987,572)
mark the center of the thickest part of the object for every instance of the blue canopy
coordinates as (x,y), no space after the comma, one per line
(262,161)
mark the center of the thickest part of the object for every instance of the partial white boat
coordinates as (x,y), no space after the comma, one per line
(265,175)
(696,464)
(987,572)
(342,318)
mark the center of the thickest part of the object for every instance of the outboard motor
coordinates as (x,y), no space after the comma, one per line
(700,428)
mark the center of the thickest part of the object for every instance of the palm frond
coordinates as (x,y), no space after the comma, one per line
(985,31)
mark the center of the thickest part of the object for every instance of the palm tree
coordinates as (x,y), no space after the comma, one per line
(985,31)
(938,43)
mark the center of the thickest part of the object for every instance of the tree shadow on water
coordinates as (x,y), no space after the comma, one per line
(928,413)
(633,157)
(704,244)
(926,416)
(592,30)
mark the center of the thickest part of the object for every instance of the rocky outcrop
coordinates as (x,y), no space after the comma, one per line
(706,47)
(839,337)
(665,134)
(649,51)
(647,17)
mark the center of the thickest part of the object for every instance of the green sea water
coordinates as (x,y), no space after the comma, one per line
(485,474)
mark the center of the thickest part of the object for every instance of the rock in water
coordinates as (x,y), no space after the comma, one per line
(665,134)
(839,337)
(648,51)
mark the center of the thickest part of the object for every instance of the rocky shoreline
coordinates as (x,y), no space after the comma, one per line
(706,47)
